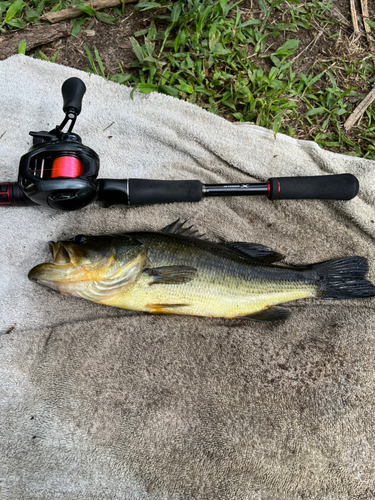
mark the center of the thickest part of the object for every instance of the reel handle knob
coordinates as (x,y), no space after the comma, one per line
(73,91)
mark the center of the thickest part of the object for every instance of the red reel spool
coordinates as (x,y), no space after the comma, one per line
(66,166)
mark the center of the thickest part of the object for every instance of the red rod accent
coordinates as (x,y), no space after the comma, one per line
(268,189)
(7,193)
(278,188)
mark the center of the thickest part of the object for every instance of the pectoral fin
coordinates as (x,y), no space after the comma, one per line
(270,314)
(171,275)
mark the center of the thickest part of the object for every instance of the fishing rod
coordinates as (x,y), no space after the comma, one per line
(60,172)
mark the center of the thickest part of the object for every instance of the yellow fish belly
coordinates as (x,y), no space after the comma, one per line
(230,300)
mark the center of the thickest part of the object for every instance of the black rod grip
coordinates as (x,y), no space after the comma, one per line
(148,191)
(321,187)
(73,91)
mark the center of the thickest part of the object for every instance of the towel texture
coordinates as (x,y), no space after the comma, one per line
(97,402)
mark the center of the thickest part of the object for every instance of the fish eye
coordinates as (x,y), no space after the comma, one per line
(79,239)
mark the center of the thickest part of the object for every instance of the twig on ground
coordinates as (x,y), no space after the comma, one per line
(365,16)
(338,15)
(359,110)
(34,38)
(354,17)
(72,12)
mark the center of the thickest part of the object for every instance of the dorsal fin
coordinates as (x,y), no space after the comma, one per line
(177,227)
(254,251)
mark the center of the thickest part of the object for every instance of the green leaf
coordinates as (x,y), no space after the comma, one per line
(148,5)
(86,9)
(118,11)
(315,79)
(246,92)
(370,23)
(105,18)
(315,111)
(146,88)
(119,78)
(340,112)
(283,27)
(165,89)
(185,88)
(176,11)
(273,73)
(325,123)
(15,8)
(56,8)
(177,43)
(276,61)
(39,7)
(78,25)
(149,46)
(55,56)
(31,15)
(91,60)
(42,56)
(263,6)
(287,48)
(248,23)
(22,47)
(220,50)
(99,61)
(141,32)
(276,124)
(137,49)
(17,23)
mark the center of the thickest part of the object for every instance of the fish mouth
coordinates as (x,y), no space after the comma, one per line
(50,273)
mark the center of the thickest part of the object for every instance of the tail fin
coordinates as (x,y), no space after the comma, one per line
(344,278)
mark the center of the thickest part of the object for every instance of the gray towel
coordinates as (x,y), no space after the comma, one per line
(97,402)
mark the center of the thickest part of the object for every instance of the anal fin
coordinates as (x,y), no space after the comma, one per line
(273,313)
(164,308)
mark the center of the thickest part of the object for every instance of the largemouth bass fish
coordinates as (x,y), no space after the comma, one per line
(175,271)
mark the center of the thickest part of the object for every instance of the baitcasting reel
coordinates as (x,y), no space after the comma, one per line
(60,172)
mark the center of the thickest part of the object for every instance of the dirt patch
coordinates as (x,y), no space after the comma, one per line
(111,41)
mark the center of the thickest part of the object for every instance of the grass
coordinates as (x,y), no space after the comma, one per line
(242,64)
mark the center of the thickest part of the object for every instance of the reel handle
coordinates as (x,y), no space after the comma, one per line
(73,91)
